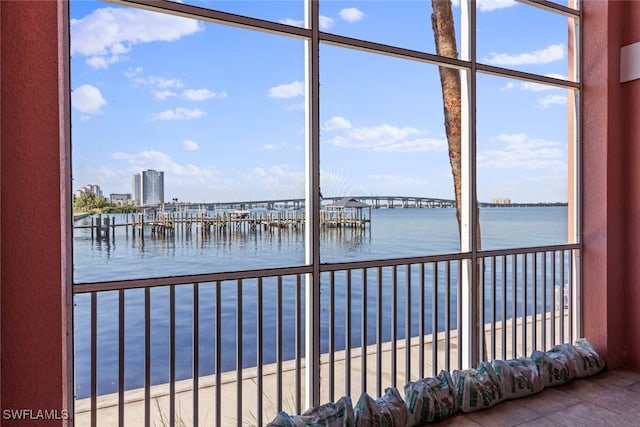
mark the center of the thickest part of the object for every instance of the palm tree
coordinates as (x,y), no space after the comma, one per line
(445,39)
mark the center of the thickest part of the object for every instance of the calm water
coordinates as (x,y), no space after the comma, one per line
(393,233)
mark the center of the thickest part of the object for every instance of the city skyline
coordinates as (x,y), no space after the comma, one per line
(225,121)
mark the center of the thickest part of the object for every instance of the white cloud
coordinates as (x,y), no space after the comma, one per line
(351,14)
(292,22)
(158,160)
(387,138)
(190,145)
(179,113)
(288,90)
(164,94)
(489,5)
(326,22)
(534,87)
(106,35)
(398,181)
(543,56)
(201,94)
(522,152)
(336,122)
(87,99)
(552,100)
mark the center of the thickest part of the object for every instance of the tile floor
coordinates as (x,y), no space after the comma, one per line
(611,398)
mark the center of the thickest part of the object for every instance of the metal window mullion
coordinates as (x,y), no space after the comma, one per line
(468,330)
(312,205)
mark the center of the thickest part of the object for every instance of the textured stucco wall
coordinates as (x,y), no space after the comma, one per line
(31,333)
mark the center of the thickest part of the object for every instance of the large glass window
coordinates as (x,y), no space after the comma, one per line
(205,132)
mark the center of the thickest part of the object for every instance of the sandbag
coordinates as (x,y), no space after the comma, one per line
(339,414)
(558,365)
(430,399)
(589,362)
(389,410)
(478,388)
(520,377)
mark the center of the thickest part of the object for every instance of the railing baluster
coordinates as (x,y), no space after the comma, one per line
(172,355)
(447,317)
(394,326)
(503,260)
(421,329)
(570,297)
(363,334)
(534,299)
(94,357)
(459,315)
(434,320)
(347,338)
(554,303)
(514,305)
(279,343)
(196,353)
(562,273)
(482,341)
(218,353)
(407,327)
(494,286)
(147,357)
(543,326)
(379,334)
(332,375)
(260,350)
(239,366)
(299,341)
(524,304)
(121,357)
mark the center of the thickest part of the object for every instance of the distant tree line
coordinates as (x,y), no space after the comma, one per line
(89,202)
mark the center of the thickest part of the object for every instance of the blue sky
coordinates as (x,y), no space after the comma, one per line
(221,110)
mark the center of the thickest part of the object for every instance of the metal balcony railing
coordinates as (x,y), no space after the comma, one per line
(229,348)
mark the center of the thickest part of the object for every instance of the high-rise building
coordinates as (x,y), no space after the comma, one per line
(152,187)
(136,189)
(90,188)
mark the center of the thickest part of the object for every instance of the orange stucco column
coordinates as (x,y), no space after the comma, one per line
(33,335)
(603,185)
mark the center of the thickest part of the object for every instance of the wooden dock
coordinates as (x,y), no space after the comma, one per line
(103,227)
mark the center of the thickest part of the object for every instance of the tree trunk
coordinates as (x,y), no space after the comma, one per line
(445,39)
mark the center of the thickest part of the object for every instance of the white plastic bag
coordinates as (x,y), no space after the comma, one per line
(430,399)
(558,365)
(589,361)
(389,410)
(478,388)
(520,377)
(339,414)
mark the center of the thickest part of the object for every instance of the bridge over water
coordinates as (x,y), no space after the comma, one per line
(375,202)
